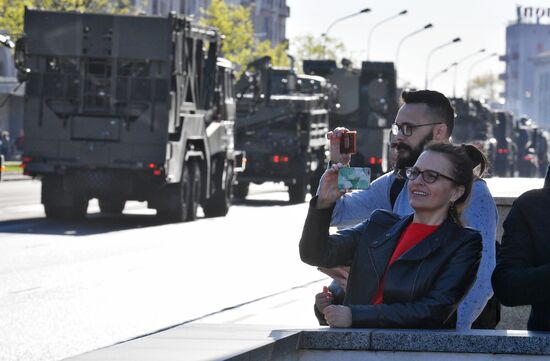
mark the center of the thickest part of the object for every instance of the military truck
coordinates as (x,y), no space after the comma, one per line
(368,103)
(282,121)
(124,108)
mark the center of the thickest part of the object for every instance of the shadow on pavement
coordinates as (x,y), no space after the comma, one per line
(260,202)
(92,224)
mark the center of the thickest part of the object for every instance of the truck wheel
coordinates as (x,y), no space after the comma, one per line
(59,204)
(316,176)
(176,199)
(112,206)
(297,191)
(219,202)
(240,190)
(195,188)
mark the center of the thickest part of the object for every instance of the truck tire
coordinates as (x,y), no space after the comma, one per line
(240,190)
(176,199)
(195,196)
(111,206)
(219,202)
(317,174)
(60,204)
(297,191)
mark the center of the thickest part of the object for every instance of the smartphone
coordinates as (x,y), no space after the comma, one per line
(348,142)
(353,178)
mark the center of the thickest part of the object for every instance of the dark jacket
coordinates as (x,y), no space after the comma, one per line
(522,273)
(422,288)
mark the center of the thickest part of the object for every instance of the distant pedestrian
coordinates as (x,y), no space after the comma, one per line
(5,144)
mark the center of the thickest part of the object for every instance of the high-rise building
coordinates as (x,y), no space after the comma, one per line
(541,94)
(268,16)
(526,38)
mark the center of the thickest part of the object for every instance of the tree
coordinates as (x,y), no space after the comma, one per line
(485,87)
(239,45)
(13,10)
(311,47)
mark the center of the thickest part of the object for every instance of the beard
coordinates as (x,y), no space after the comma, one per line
(407,156)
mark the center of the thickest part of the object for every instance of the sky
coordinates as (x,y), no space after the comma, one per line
(481,24)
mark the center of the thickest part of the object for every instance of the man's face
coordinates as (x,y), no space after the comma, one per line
(410,147)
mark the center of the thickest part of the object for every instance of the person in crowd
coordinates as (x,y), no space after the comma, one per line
(522,273)
(410,271)
(424,116)
(5,144)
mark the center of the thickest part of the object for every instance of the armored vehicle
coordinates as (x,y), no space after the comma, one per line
(504,161)
(282,121)
(367,99)
(127,108)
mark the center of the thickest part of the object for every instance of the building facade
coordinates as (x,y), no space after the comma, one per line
(269,16)
(526,39)
(541,98)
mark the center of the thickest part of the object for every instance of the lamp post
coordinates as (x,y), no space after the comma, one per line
(455,64)
(441,72)
(378,24)
(426,27)
(325,34)
(470,72)
(455,40)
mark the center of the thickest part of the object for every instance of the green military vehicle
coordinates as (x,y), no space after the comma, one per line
(124,108)
(282,121)
(368,103)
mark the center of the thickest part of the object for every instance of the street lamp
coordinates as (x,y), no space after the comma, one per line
(455,64)
(470,72)
(325,34)
(441,72)
(455,40)
(427,26)
(380,23)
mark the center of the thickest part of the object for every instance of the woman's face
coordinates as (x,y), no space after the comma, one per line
(433,197)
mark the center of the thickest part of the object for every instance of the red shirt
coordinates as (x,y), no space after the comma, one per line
(413,235)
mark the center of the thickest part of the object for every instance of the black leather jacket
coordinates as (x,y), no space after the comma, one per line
(422,288)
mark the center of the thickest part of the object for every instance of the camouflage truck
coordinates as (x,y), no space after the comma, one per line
(282,121)
(127,108)
(367,103)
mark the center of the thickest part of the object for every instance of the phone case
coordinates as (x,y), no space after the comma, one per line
(353,178)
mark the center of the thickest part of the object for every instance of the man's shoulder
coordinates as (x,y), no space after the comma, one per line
(534,197)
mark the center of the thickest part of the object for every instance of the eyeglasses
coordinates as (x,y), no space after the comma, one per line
(407,129)
(429,176)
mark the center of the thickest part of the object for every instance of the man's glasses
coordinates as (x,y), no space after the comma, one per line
(429,176)
(407,129)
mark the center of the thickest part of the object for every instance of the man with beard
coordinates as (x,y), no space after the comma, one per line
(425,116)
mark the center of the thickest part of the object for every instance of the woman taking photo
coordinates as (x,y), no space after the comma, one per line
(408,272)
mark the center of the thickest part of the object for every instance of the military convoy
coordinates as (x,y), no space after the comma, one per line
(121,108)
(514,148)
(282,121)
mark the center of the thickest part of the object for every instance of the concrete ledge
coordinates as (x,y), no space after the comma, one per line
(246,342)
(478,341)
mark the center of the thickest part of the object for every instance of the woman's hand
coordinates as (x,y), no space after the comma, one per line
(328,187)
(338,316)
(323,299)
(334,137)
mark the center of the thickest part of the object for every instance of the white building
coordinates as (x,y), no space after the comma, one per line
(527,38)
(541,94)
(269,16)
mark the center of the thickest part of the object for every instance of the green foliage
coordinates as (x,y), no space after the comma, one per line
(486,86)
(239,45)
(311,47)
(13,10)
